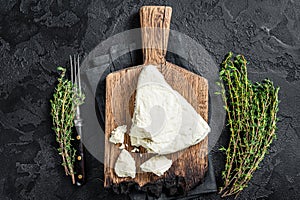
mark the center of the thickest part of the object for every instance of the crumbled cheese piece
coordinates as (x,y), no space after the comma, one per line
(157,165)
(117,135)
(125,165)
(135,150)
(122,146)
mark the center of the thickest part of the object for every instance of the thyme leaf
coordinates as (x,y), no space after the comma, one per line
(251,110)
(63,103)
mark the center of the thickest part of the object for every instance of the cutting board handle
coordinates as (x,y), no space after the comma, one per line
(155,24)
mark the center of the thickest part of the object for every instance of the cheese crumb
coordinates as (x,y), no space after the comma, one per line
(117,135)
(122,146)
(135,150)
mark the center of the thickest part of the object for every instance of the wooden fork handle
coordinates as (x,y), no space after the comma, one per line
(155,28)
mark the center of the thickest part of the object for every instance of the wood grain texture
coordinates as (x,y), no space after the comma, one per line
(189,164)
(155,25)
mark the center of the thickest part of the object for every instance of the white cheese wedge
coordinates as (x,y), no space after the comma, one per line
(163,121)
(157,165)
(125,165)
(117,135)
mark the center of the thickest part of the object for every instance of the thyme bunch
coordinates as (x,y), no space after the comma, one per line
(65,98)
(251,109)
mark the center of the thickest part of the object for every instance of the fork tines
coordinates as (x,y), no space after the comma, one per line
(75,73)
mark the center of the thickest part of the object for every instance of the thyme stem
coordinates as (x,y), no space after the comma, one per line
(251,109)
(65,98)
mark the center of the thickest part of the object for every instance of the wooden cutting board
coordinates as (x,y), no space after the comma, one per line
(189,164)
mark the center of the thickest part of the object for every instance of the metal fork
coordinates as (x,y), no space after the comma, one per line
(76,82)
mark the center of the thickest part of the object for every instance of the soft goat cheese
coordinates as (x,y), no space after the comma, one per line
(163,121)
(157,165)
(117,135)
(125,165)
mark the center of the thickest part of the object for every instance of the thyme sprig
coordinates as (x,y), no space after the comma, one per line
(251,109)
(65,98)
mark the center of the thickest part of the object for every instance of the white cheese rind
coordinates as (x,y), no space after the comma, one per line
(163,121)
(157,165)
(125,165)
(117,135)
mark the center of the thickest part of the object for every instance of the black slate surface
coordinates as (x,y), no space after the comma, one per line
(37,36)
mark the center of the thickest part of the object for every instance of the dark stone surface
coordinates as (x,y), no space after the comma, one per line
(37,36)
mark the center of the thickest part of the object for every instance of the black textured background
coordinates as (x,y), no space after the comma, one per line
(37,36)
